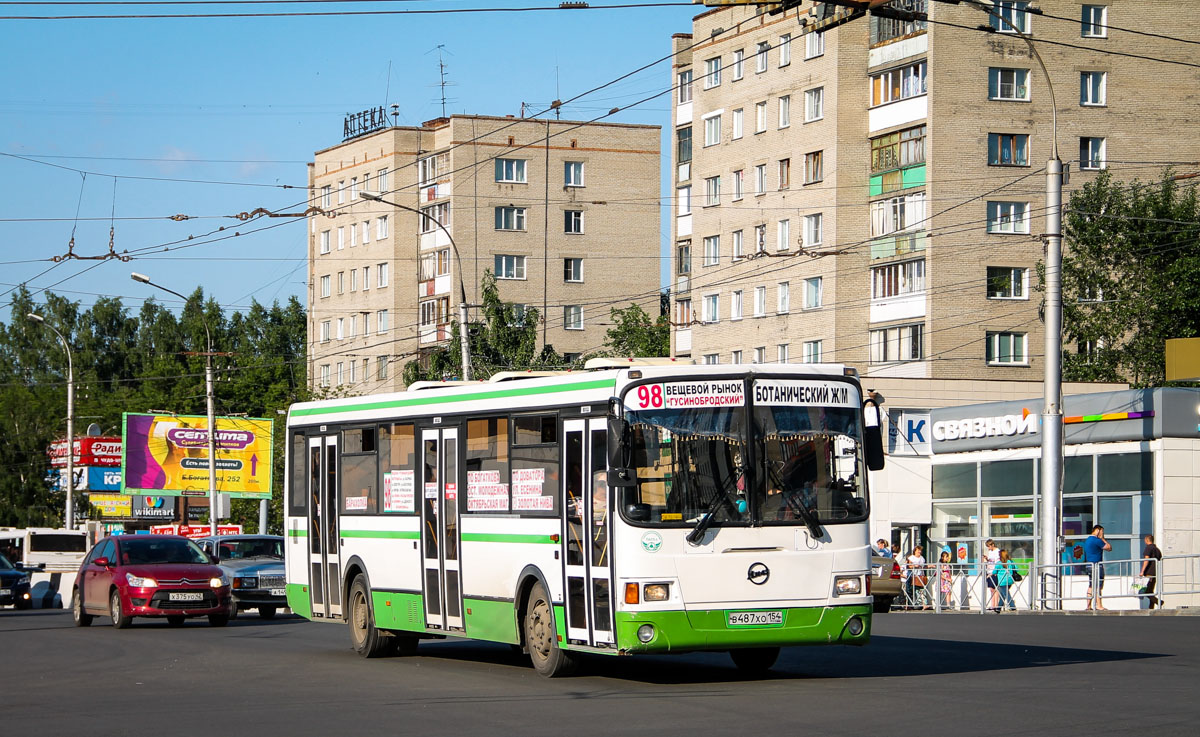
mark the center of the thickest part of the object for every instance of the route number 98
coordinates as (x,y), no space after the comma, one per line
(650,396)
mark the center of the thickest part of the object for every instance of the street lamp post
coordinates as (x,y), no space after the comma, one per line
(212,424)
(464,343)
(70,510)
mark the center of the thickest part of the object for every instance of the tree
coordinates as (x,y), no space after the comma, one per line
(1131,278)
(635,334)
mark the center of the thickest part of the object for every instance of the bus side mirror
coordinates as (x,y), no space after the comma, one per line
(873,432)
(618,437)
(637,512)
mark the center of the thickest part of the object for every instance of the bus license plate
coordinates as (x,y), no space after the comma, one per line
(185,596)
(755,619)
(278,592)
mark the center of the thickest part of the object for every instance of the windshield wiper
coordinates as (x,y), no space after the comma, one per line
(706,519)
(808,515)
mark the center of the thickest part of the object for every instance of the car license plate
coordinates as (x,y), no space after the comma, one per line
(5,592)
(876,570)
(755,619)
(278,592)
(185,596)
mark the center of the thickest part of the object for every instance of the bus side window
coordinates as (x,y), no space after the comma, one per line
(298,494)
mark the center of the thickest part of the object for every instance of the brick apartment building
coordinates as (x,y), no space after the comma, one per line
(566,215)
(874,194)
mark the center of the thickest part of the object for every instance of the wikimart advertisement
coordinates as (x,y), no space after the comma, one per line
(168,455)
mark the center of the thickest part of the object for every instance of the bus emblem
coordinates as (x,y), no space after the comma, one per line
(758,573)
(651,542)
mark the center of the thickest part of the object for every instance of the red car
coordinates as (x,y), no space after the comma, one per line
(127,576)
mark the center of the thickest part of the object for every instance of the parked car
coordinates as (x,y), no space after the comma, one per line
(14,585)
(885,582)
(254,563)
(127,576)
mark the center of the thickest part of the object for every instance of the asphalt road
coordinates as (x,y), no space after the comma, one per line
(925,674)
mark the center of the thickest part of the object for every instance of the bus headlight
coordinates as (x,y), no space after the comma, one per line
(846,585)
(657,592)
(645,633)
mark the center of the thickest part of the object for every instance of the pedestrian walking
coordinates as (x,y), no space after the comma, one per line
(1005,579)
(918,578)
(1093,554)
(991,557)
(945,580)
(1151,556)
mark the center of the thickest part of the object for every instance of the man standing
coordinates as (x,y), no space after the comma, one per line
(1093,554)
(1151,555)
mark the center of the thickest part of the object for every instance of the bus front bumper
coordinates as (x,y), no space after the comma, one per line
(713,629)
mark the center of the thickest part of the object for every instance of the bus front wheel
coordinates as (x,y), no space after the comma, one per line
(754,660)
(541,638)
(368,641)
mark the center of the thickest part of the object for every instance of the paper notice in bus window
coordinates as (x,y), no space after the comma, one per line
(451,491)
(687,395)
(779,392)
(431,490)
(399,489)
(485,492)
(356,503)
(527,487)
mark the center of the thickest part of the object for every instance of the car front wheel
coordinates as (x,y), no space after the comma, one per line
(82,618)
(120,619)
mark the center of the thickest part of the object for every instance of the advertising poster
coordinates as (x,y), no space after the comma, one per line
(399,491)
(168,455)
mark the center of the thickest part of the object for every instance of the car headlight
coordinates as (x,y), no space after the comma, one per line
(245,582)
(218,581)
(844,585)
(140,582)
(657,592)
(22,580)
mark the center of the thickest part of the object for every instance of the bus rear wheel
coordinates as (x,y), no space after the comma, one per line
(367,640)
(541,638)
(754,660)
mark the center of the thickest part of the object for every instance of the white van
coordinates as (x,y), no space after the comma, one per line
(55,554)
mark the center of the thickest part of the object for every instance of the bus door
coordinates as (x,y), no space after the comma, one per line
(439,528)
(324,570)
(586,549)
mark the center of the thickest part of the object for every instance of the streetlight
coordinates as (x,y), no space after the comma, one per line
(212,424)
(70,511)
(464,345)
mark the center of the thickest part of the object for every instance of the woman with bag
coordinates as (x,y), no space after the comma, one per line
(1006,573)
(918,578)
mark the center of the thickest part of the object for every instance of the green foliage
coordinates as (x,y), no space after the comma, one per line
(636,334)
(1131,278)
(136,363)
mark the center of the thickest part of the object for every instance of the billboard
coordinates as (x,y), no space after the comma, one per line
(168,455)
(89,451)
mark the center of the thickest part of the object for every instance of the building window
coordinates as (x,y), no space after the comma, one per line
(902,343)
(1013,16)
(381,368)
(785,49)
(382,275)
(683,145)
(781,353)
(324,242)
(738,179)
(510,218)
(1008,84)
(325,286)
(353,194)
(366,232)
(738,247)
(783,302)
(1095,21)
(428,313)
(326,330)
(712,191)
(382,179)
(509,267)
(814,169)
(511,170)
(685,86)
(760,354)
(760,179)
(735,305)
(712,129)
(366,278)
(1008,149)
(784,232)
(739,63)
(1091,153)
(353,280)
(1093,88)
(814,104)
(814,44)
(325,375)
(573,221)
(894,280)
(760,56)
(353,229)
(432,168)
(573,170)
(1005,282)
(341,282)
(683,259)
(1008,217)
(573,317)
(785,111)
(760,239)
(685,201)
(812,292)
(899,84)
(785,173)
(760,301)
(434,215)
(683,313)
(381,321)
(381,227)
(712,73)
(327,196)
(341,239)
(897,214)
(711,359)
(737,123)
(366,322)
(760,117)
(735,357)
(353,372)
(712,250)
(710,308)
(1006,348)
(813,229)
(811,351)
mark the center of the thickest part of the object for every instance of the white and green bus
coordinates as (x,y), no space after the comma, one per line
(644,509)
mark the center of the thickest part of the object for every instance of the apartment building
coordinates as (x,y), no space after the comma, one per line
(874,193)
(565,214)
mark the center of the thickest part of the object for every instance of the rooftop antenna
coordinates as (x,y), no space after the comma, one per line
(387,90)
(442,83)
(557,96)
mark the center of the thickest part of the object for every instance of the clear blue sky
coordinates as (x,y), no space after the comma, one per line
(246,101)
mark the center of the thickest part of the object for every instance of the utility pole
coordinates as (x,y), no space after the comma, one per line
(69,515)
